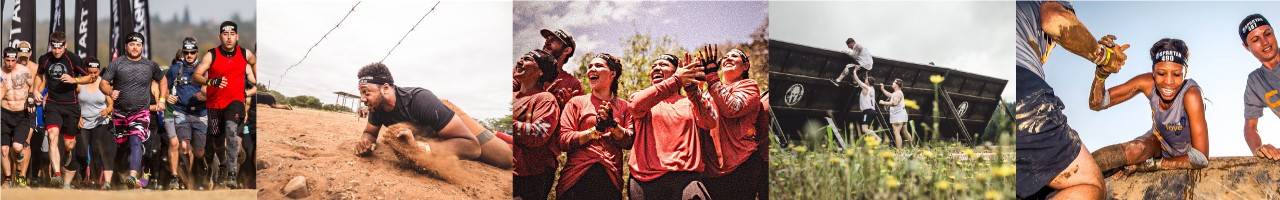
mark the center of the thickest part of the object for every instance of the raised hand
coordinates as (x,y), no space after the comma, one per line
(1110,56)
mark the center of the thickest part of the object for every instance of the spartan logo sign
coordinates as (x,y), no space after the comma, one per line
(794,93)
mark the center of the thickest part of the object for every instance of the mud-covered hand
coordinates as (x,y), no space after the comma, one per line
(1110,56)
(1267,151)
(710,57)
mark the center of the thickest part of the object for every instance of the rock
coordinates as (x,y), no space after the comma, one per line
(296,188)
(1225,178)
(263,164)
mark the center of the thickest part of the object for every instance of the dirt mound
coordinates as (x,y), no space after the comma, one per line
(319,145)
(1225,178)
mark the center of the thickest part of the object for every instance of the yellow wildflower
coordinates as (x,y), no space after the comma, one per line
(942,185)
(910,104)
(886,154)
(993,194)
(891,181)
(1005,170)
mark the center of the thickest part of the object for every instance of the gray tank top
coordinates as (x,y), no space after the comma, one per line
(1172,124)
(91,105)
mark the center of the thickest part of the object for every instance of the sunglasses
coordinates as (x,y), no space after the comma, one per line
(189,53)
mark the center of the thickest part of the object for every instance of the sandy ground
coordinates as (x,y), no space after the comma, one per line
(1225,178)
(317,145)
(45,193)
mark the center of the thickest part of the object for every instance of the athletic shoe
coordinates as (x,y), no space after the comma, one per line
(21,182)
(132,182)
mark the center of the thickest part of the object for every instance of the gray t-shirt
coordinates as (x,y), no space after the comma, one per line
(133,80)
(1261,90)
(1031,40)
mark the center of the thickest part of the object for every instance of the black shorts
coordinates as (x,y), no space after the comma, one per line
(535,187)
(594,184)
(15,127)
(62,115)
(869,115)
(1046,145)
(218,117)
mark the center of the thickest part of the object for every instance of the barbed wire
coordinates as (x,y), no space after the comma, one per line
(406,34)
(313,46)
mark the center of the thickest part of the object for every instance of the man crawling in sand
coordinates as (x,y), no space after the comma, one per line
(426,130)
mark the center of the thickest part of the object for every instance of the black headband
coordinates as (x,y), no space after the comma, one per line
(376,80)
(1169,55)
(610,60)
(1250,23)
(135,37)
(669,58)
(228,26)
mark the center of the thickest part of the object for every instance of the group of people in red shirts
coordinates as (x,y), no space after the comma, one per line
(697,131)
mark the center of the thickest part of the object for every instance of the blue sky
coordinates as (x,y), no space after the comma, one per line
(600,26)
(1218,62)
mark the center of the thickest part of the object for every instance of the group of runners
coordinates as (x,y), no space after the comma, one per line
(65,114)
(699,129)
(1051,160)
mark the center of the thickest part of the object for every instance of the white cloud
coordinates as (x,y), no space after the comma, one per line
(967,36)
(459,51)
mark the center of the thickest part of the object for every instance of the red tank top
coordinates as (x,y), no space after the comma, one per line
(233,68)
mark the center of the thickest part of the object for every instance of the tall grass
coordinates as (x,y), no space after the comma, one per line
(870,170)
